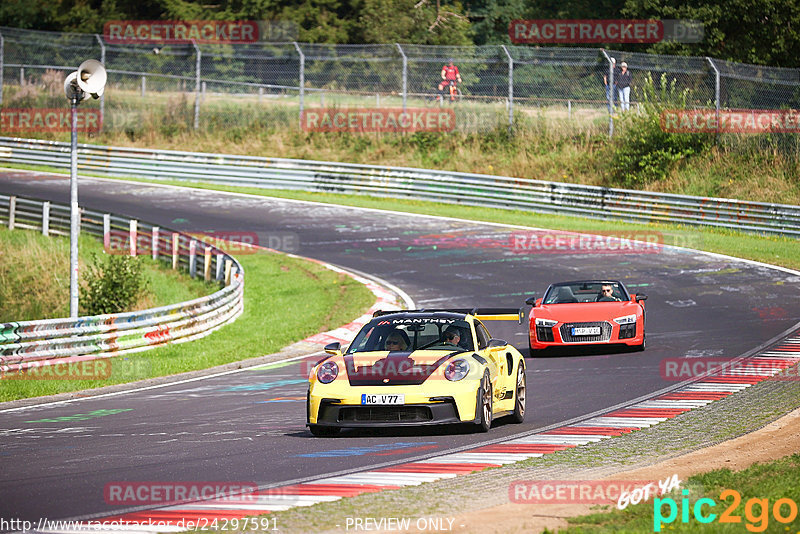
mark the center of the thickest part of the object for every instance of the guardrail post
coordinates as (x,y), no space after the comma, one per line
(21,76)
(569,109)
(218,276)
(302,80)
(197,87)
(154,246)
(107,232)
(133,231)
(207,264)
(12,207)
(228,265)
(144,85)
(175,244)
(103,96)
(193,258)
(203,90)
(46,219)
(2,58)
(405,74)
(510,88)
(260,94)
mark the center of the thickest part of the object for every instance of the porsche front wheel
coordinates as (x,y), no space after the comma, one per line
(484,418)
(519,396)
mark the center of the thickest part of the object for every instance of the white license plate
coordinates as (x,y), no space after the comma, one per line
(382,399)
(586,331)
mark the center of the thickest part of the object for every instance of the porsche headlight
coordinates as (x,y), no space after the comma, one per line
(327,372)
(628,319)
(545,322)
(456,370)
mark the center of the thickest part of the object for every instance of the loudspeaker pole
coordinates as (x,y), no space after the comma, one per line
(88,80)
(75,215)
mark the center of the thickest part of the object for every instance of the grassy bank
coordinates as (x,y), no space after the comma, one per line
(34,277)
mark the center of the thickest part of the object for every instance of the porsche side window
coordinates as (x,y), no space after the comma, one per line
(483,336)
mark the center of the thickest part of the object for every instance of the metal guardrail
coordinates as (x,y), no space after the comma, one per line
(27,344)
(419,184)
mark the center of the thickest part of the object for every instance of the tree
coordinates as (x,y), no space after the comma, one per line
(765,32)
(413,21)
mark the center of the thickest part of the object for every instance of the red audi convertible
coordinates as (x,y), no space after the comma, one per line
(586,312)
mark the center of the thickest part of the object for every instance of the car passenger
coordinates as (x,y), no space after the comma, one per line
(396,340)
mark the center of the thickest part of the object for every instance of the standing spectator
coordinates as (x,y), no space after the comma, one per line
(611,94)
(450,76)
(624,87)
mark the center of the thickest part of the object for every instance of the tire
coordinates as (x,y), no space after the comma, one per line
(323,431)
(640,348)
(520,395)
(484,407)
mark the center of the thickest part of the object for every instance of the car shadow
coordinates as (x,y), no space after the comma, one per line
(588,350)
(456,429)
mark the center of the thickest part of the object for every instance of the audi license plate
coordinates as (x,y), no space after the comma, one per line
(586,331)
(382,399)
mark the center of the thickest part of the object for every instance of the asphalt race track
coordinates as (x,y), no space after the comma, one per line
(249,426)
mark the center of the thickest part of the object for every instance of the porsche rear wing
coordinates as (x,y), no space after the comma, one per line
(482,314)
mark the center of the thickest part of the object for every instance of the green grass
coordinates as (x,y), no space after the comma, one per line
(286,299)
(34,277)
(772,481)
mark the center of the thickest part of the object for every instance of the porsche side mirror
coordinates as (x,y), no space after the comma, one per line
(640,297)
(497,343)
(334,348)
(531,301)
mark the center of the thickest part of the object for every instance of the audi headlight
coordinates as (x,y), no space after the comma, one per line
(456,370)
(545,322)
(628,319)
(327,372)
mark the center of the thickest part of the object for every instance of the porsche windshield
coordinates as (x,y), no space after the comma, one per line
(410,334)
(593,291)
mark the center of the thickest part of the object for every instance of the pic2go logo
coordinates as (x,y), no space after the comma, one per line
(756,511)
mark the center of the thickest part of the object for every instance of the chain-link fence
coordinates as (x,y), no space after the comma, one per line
(175,87)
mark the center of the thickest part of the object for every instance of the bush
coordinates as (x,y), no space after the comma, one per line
(113,285)
(643,152)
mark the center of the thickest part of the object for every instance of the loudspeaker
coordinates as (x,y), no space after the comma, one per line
(92,77)
(88,80)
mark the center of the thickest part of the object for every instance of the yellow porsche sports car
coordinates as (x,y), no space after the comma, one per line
(419,367)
